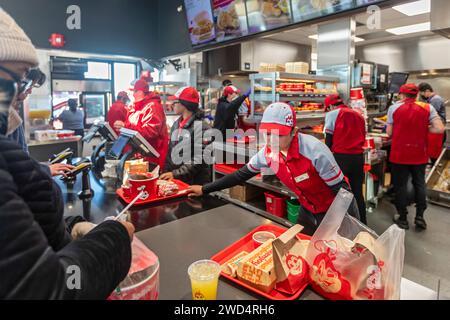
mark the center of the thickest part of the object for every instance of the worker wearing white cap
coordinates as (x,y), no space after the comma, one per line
(303,163)
(35,247)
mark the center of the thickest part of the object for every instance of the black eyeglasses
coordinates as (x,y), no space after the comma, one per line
(13,75)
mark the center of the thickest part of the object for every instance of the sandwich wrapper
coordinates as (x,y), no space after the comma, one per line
(290,265)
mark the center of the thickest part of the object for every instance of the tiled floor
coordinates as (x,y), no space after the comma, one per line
(427,253)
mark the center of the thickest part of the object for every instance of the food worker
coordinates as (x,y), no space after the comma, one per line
(345,135)
(227,109)
(73,119)
(117,114)
(435,141)
(409,123)
(36,250)
(303,163)
(187,133)
(147,117)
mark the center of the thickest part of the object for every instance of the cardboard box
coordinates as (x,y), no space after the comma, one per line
(244,192)
(297,67)
(387,180)
(257,268)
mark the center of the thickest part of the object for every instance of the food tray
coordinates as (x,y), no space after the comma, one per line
(181,193)
(246,244)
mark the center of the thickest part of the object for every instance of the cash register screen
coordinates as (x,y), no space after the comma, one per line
(119,145)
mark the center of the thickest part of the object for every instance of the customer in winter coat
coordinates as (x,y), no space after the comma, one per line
(38,259)
(187,133)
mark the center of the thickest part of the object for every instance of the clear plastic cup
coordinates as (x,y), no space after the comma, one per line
(204,275)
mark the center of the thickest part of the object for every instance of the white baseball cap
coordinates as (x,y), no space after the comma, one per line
(279,118)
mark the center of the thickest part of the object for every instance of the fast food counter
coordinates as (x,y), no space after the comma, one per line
(105,203)
(181,242)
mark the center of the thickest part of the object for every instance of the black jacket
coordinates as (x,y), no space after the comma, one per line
(226,112)
(195,170)
(35,248)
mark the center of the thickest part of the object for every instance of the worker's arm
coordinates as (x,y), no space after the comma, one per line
(390,119)
(330,124)
(436,125)
(234,105)
(389,129)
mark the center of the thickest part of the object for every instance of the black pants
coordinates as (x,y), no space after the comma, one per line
(309,221)
(352,166)
(400,175)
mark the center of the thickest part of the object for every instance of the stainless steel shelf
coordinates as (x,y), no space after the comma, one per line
(285,76)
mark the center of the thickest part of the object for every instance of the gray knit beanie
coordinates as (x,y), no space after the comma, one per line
(15,46)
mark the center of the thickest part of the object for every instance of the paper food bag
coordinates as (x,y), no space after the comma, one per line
(288,256)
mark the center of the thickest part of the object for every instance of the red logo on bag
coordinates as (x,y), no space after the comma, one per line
(199,296)
(295,264)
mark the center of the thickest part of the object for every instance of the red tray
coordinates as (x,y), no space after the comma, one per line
(246,244)
(181,193)
(228,169)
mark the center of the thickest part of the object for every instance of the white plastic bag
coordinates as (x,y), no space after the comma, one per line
(350,261)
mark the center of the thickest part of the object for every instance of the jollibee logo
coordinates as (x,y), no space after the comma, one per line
(289,120)
(199,296)
(295,264)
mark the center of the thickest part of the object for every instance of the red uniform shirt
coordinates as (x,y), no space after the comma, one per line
(148,118)
(308,170)
(117,112)
(410,121)
(348,129)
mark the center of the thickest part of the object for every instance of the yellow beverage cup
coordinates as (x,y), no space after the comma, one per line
(204,276)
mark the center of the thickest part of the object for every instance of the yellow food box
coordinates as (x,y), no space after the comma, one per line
(257,268)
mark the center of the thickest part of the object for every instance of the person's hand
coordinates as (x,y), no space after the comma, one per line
(195,191)
(166,176)
(60,169)
(119,125)
(130,228)
(81,229)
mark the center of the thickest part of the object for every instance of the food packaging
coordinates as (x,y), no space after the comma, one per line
(257,268)
(262,236)
(146,182)
(142,281)
(349,261)
(290,265)
(231,266)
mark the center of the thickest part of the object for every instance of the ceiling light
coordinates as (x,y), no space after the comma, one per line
(414,8)
(424,74)
(316,37)
(410,29)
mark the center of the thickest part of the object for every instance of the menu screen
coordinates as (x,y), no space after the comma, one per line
(200,21)
(267,14)
(303,10)
(230,19)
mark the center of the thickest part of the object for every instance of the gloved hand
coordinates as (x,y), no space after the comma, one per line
(247,93)
(81,229)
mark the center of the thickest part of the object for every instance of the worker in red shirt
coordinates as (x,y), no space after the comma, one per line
(345,135)
(117,114)
(147,117)
(409,123)
(303,163)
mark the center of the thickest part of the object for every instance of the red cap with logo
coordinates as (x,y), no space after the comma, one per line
(141,85)
(189,94)
(230,90)
(279,118)
(409,88)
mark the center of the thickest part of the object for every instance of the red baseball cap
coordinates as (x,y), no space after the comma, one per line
(279,118)
(141,85)
(230,90)
(189,94)
(409,88)
(332,99)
